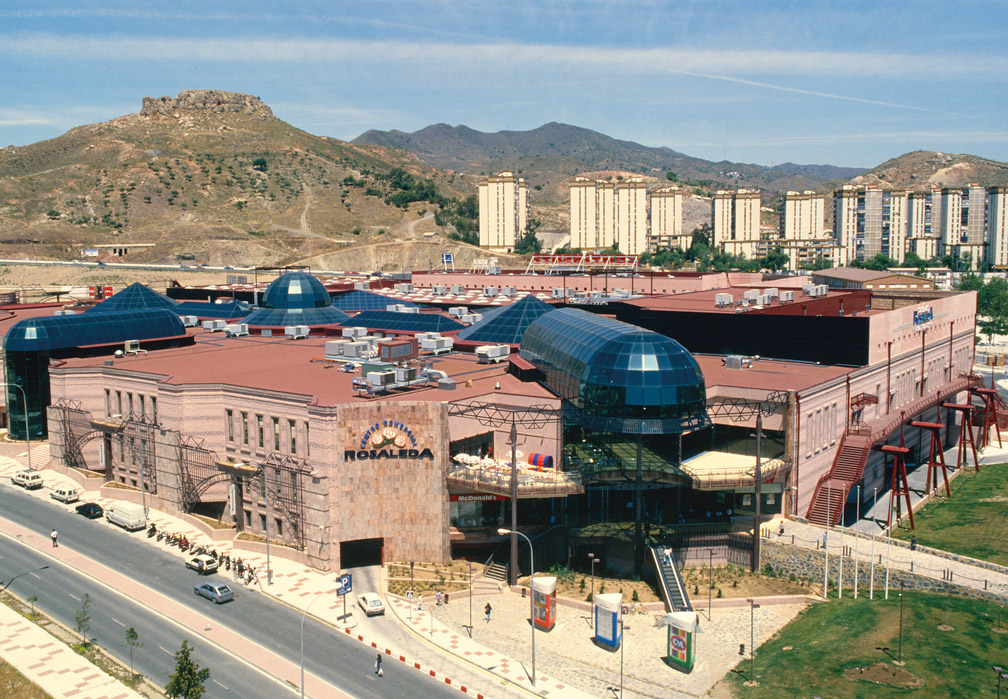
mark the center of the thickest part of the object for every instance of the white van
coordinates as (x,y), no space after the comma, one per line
(29,480)
(65,493)
(128,515)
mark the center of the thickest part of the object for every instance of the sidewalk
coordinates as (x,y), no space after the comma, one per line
(51,664)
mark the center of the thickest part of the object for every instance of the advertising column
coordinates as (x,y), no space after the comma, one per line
(544,602)
(682,640)
(608,611)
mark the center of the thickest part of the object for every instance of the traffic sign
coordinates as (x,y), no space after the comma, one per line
(346,584)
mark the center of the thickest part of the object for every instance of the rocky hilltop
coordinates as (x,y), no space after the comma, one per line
(206,101)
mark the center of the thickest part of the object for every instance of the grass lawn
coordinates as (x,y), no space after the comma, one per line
(972,522)
(830,650)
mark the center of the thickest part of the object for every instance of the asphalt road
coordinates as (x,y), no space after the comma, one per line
(330,655)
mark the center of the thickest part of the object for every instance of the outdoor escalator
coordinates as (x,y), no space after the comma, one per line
(670,582)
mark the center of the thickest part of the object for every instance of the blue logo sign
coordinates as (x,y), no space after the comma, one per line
(678,643)
(923,316)
(346,584)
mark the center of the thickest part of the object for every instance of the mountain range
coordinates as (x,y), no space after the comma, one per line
(215,177)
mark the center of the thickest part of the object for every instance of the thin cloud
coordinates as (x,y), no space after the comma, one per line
(709,63)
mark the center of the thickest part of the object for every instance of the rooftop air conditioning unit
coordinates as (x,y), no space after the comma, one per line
(361,286)
(356,350)
(403,308)
(133,347)
(296,332)
(823,289)
(440,289)
(508,291)
(392,307)
(733,361)
(771,292)
(354,332)
(426,336)
(458,289)
(494,269)
(405,288)
(189,321)
(214,326)
(786,296)
(750,294)
(492,353)
(403,374)
(236,329)
(470,318)
(334,348)
(65,312)
(722,300)
(381,378)
(558,292)
(457,311)
(490,290)
(807,289)
(437,345)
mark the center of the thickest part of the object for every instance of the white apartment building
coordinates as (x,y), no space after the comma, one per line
(802,232)
(962,219)
(922,230)
(869,221)
(667,220)
(736,218)
(632,217)
(503,211)
(997,227)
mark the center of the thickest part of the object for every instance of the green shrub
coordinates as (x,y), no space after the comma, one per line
(635,597)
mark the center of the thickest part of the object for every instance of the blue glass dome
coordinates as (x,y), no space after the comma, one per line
(63,332)
(615,376)
(135,297)
(295,290)
(507,324)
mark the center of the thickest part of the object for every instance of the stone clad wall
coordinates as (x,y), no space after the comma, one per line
(403,501)
(787,559)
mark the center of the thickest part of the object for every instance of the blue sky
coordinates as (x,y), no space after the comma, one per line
(851,83)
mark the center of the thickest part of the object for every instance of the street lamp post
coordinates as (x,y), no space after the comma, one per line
(857,538)
(621,644)
(21,575)
(752,649)
(302,636)
(470,598)
(710,585)
(1001,675)
(871,588)
(505,532)
(27,432)
(899,652)
(269,568)
(591,557)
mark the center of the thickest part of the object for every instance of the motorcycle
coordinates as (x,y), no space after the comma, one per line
(152,531)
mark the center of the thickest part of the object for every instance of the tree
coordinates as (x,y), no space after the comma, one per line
(83,617)
(133,641)
(32,600)
(997,326)
(671,177)
(188,680)
(775,260)
(529,242)
(259,164)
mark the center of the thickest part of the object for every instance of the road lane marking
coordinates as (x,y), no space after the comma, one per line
(222,686)
(75,597)
(118,622)
(166,650)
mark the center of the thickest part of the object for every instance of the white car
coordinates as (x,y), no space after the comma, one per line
(202,564)
(371,603)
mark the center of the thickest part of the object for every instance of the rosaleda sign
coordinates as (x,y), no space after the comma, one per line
(388,439)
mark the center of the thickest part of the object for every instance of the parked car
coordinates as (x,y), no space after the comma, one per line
(371,603)
(202,564)
(65,493)
(29,480)
(91,510)
(129,515)
(216,591)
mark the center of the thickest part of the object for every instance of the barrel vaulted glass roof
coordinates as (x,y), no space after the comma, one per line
(359,300)
(62,332)
(507,324)
(225,311)
(406,322)
(616,376)
(133,298)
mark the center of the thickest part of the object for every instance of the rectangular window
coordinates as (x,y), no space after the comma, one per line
(108,402)
(293,436)
(248,518)
(153,408)
(143,407)
(119,403)
(307,442)
(129,399)
(262,524)
(244,419)
(279,527)
(276,434)
(229,416)
(261,430)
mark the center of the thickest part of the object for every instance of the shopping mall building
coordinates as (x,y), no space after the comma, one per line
(627,407)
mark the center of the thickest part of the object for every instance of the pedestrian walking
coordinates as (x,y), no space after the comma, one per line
(53,536)
(419,603)
(780,532)
(913,542)
(378,668)
(438,598)
(488,609)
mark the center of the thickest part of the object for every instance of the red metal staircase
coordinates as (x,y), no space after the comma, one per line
(832,489)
